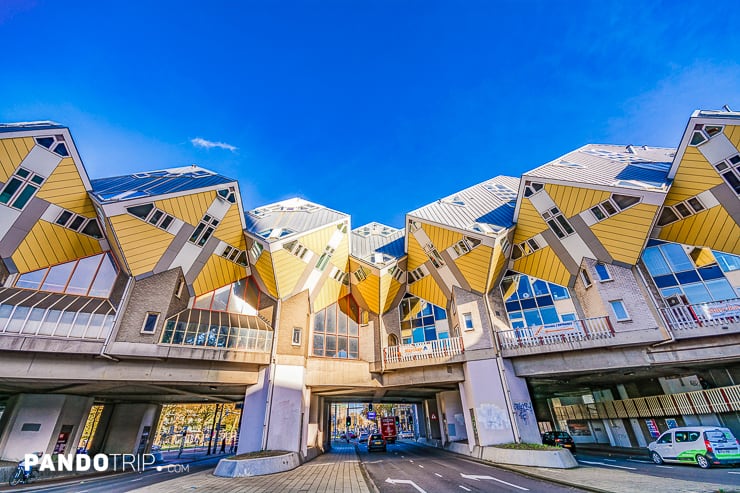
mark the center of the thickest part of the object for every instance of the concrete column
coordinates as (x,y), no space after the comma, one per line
(42,423)
(273,411)
(131,428)
(455,417)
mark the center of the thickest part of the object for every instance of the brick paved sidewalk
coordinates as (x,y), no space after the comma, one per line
(336,471)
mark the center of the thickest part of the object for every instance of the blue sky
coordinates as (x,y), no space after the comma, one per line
(373,108)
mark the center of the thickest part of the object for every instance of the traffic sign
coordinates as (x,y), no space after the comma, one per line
(371,415)
(433,416)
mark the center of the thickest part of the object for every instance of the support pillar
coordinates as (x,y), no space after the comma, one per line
(131,428)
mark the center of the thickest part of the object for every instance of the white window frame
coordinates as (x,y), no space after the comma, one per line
(299,332)
(180,288)
(598,274)
(586,278)
(468,321)
(360,274)
(256,250)
(624,307)
(154,326)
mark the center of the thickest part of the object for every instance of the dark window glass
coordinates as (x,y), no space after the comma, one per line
(609,208)
(665,281)
(695,204)
(687,277)
(64,218)
(92,229)
(25,195)
(156,217)
(166,222)
(513,306)
(711,272)
(528,303)
(559,292)
(61,149)
(624,201)
(603,272)
(667,217)
(553,225)
(150,323)
(683,210)
(140,211)
(197,232)
(697,138)
(38,180)
(76,223)
(205,237)
(23,173)
(544,301)
(45,141)
(732,180)
(597,212)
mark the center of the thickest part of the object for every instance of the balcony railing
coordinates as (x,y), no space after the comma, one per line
(563,332)
(441,348)
(683,317)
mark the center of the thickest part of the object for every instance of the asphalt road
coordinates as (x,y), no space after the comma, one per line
(116,483)
(409,468)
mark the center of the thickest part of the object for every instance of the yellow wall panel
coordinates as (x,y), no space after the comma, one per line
(544,264)
(713,228)
(141,243)
(441,238)
(574,200)
(416,255)
(694,176)
(48,244)
(318,240)
(390,292)
(190,208)
(624,234)
(12,152)
(370,290)
(341,254)
(264,269)
(732,132)
(529,222)
(230,229)
(330,292)
(499,263)
(474,267)
(65,188)
(288,269)
(217,272)
(428,289)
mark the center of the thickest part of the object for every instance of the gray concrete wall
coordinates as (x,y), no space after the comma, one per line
(127,424)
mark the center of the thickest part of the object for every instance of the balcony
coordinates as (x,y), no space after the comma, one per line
(436,352)
(553,337)
(703,319)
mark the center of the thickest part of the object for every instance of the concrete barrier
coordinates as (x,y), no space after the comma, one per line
(557,459)
(240,468)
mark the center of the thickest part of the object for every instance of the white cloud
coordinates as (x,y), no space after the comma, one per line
(207,144)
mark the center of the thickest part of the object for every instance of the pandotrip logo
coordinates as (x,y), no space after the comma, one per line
(99,463)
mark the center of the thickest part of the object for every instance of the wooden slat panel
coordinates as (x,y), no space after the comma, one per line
(474,267)
(288,269)
(694,176)
(189,208)
(529,222)
(264,269)
(65,188)
(624,234)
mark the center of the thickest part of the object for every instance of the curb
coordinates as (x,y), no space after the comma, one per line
(368,480)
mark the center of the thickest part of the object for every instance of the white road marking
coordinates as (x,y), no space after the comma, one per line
(139,479)
(732,472)
(438,474)
(640,461)
(611,460)
(463,487)
(665,467)
(607,465)
(478,478)
(405,481)
(411,461)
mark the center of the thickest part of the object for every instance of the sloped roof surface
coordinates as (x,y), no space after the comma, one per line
(490,203)
(377,238)
(153,183)
(296,215)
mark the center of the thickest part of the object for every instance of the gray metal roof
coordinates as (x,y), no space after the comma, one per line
(377,238)
(153,183)
(289,217)
(27,126)
(630,166)
(487,207)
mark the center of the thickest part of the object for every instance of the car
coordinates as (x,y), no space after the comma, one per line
(559,439)
(376,442)
(701,445)
(363,436)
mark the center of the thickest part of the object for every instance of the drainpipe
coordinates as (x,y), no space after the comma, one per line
(671,337)
(119,318)
(271,377)
(499,359)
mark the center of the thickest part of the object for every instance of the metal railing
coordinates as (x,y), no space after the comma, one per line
(563,332)
(719,400)
(441,348)
(681,317)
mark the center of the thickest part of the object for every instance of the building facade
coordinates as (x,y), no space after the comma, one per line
(597,293)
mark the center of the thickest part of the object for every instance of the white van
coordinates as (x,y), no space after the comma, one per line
(705,445)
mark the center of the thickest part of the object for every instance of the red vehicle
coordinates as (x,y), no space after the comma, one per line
(388,428)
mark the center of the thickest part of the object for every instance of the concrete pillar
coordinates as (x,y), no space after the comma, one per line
(131,428)
(484,395)
(273,410)
(42,423)
(454,417)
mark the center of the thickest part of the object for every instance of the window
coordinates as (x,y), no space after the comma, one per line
(324,259)
(336,330)
(152,215)
(360,274)
(150,323)
(296,249)
(89,276)
(204,230)
(242,296)
(422,321)
(340,276)
(296,340)
(256,250)
(416,274)
(468,321)
(55,144)
(602,272)
(20,188)
(235,255)
(180,288)
(275,233)
(80,224)
(620,312)
(227,194)
(703,133)
(613,205)
(531,188)
(434,256)
(729,169)
(585,278)
(688,207)
(396,272)
(557,222)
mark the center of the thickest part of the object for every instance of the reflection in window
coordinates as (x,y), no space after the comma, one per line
(89,276)
(422,321)
(336,330)
(58,323)
(531,301)
(242,296)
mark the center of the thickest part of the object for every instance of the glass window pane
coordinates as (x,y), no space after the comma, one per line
(331,346)
(331,319)
(532,317)
(439,313)
(655,262)
(65,324)
(540,288)
(524,290)
(559,292)
(104,279)
(80,325)
(57,278)
(670,292)
(48,325)
(568,317)
(353,327)
(696,293)
(619,310)
(221,298)
(9,190)
(34,321)
(318,344)
(353,348)
(676,256)
(720,289)
(83,275)
(341,322)
(727,262)
(203,302)
(31,280)
(341,347)
(418,334)
(25,195)
(430,334)
(549,315)
(427,309)
(602,272)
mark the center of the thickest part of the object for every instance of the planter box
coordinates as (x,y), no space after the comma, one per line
(230,468)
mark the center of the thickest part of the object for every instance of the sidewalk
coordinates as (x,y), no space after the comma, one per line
(337,471)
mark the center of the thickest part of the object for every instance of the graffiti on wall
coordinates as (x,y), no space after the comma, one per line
(492,417)
(523,410)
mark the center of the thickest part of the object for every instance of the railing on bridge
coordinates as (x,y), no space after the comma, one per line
(559,333)
(682,317)
(441,348)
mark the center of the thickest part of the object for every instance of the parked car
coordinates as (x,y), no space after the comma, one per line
(376,442)
(559,439)
(703,445)
(363,437)
(406,434)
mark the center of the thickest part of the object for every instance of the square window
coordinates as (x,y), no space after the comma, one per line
(620,311)
(150,323)
(468,321)
(603,273)
(296,341)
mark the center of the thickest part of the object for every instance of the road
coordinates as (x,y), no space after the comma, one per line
(433,471)
(117,483)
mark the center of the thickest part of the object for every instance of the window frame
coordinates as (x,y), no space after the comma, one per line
(468,324)
(606,271)
(586,278)
(627,316)
(149,314)
(299,332)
